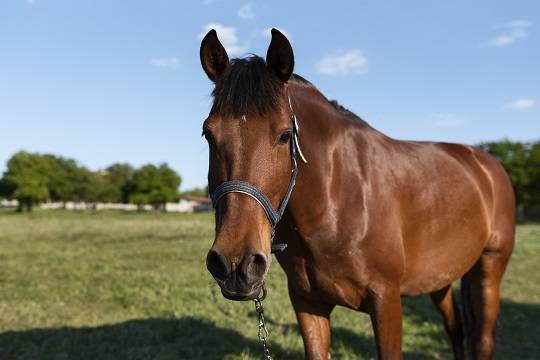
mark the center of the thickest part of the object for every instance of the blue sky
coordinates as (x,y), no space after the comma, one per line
(104,81)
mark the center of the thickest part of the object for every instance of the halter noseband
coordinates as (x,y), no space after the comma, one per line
(238,186)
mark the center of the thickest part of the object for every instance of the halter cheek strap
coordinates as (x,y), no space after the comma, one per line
(242,187)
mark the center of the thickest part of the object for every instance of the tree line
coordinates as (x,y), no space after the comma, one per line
(32,178)
(521,160)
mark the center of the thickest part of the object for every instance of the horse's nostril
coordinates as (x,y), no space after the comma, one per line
(218,265)
(254,266)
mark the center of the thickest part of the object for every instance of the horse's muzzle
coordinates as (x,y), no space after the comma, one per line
(242,281)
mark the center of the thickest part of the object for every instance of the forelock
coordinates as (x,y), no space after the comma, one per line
(246,88)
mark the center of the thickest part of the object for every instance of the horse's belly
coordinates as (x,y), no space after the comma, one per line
(446,260)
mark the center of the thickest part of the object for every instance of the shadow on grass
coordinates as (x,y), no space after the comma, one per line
(516,334)
(191,338)
(185,338)
(354,345)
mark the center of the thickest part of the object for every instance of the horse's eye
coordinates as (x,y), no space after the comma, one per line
(208,137)
(285,136)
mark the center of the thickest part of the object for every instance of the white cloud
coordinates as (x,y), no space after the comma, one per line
(246,12)
(170,63)
(267,33)
(227,36)
(515,23)
(512,31)
(349,62)
(521,104)
(442,120)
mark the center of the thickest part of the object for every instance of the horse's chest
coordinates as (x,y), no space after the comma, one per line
(337,283)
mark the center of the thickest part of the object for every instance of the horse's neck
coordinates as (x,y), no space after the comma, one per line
(336,146)
(325,130)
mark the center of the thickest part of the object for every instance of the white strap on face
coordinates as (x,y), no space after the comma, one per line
(296,132)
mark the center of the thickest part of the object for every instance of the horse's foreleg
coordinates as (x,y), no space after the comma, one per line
(314,321)
(445,302)
(387,322)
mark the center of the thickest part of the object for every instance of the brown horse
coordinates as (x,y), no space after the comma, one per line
(371,218)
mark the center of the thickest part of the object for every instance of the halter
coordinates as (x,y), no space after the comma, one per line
(238,186)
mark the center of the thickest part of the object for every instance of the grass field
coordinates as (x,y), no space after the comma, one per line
(134,286)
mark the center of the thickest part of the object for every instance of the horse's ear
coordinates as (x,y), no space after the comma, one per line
(214,59)
(280,58)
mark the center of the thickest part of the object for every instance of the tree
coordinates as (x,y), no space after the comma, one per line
(520,163)
(62,175)
(534,175)
(33,178)
(198,191)
(154,185)
(6,189)
(119,175)
(97,187)
(27,175)
(29,192)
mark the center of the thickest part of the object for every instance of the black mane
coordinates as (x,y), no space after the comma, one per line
(341,108)
(248,88)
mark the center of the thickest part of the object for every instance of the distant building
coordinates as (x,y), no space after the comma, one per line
(200,203)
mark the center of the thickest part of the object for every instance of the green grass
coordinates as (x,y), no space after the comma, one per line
(113,285)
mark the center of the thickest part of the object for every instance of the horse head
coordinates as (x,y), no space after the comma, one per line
(251,135)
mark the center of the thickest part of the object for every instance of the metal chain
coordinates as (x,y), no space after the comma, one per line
(263,332)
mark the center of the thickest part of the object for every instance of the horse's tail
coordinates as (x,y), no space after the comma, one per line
(467,313)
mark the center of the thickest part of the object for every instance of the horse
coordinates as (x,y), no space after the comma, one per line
(365,218)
